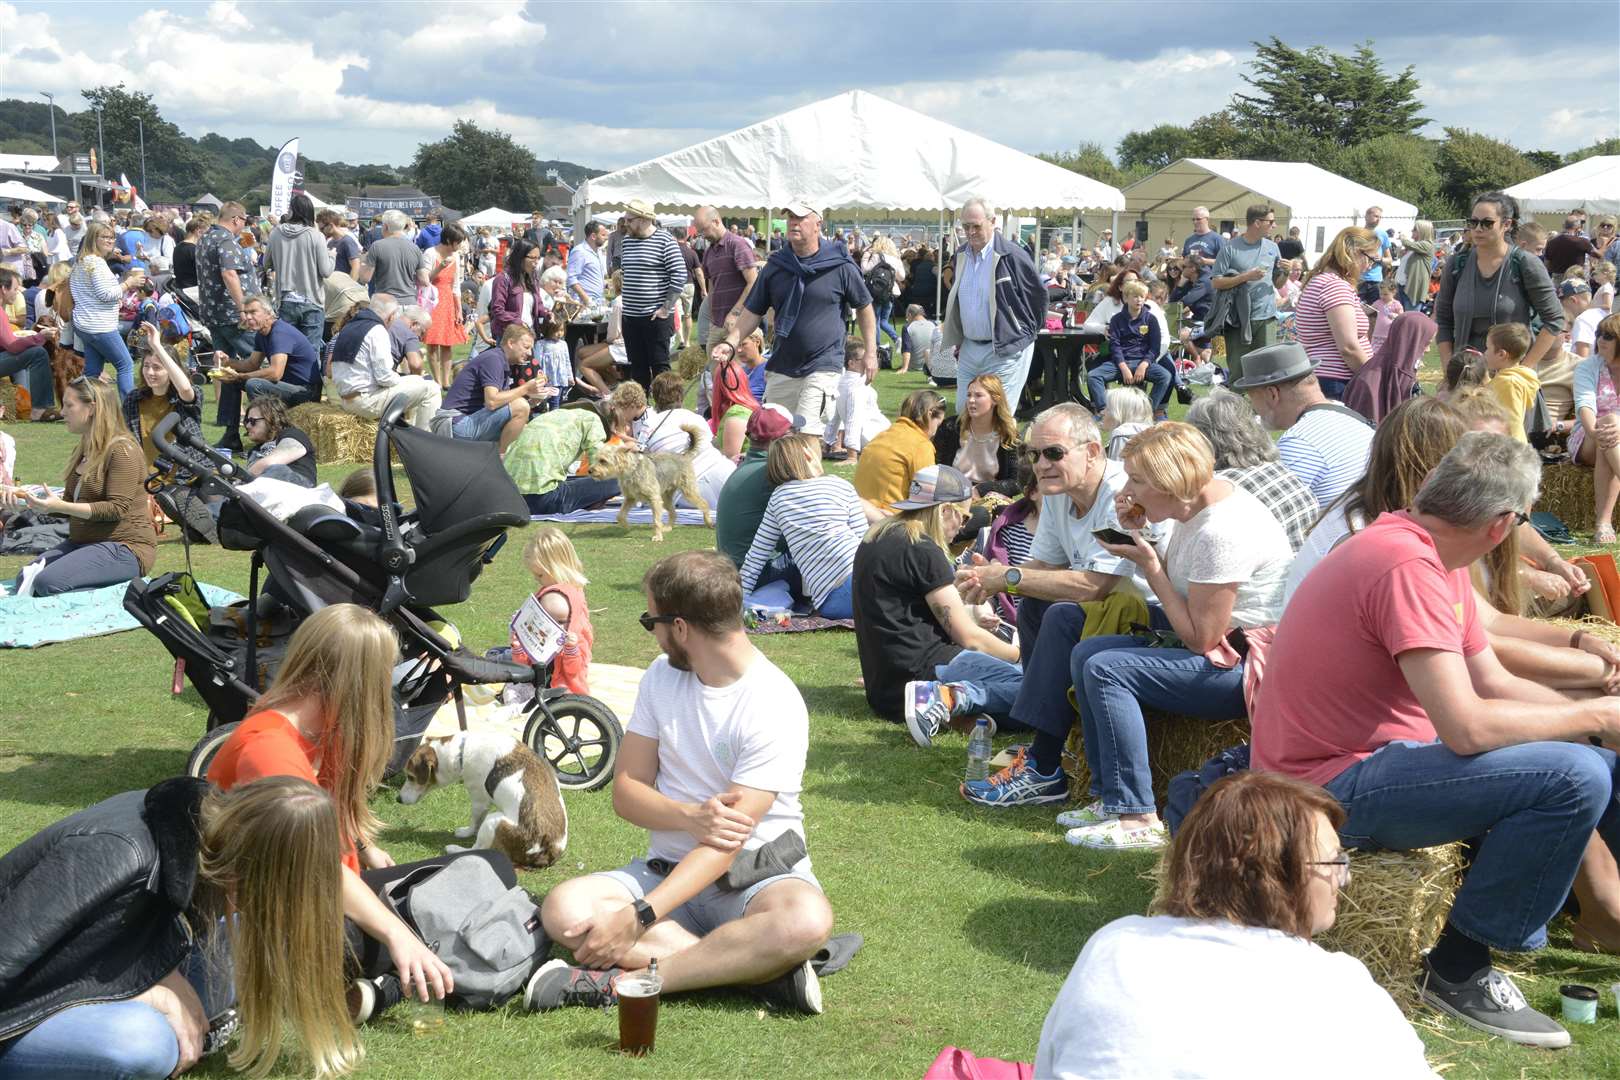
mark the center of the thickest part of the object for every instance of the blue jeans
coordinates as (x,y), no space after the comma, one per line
(987,685)
(309,319)
(1535,804)
(1098,378)
(237,344)
(291,393)
(482,426)
(840,603)
(114,1040)
(35,363)
(1048,634)
(1332,389)
(101,348)
(1116,677)
(881,310)
(70,567)
(980,358)
(572,494)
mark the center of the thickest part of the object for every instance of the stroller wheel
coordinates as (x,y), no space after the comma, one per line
(202,755)
(579,736)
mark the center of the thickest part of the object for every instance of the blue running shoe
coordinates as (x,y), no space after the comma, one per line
(1019,784)
(928,709)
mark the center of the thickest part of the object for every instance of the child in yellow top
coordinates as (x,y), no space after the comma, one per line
(1514,384)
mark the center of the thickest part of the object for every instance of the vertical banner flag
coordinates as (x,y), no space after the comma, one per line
(284,178)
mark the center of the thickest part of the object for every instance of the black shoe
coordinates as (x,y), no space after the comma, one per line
(1489,1001)
(797,990)
(231,442)
(370,998)
(834,455)
(559,983)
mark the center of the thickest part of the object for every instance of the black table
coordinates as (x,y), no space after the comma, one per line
(1060,356)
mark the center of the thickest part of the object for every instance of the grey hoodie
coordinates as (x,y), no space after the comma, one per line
(298,255)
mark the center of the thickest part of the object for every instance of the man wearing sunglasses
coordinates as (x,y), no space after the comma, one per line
(712,765)
(1067,566)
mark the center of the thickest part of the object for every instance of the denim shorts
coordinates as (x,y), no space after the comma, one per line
(482,426)
(714,906)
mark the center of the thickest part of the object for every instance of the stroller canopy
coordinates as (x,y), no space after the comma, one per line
(455,480)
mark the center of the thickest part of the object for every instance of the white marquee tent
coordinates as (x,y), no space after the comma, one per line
(854,151)
(16,190)
(494,217)
(1591,184)
(1319,202)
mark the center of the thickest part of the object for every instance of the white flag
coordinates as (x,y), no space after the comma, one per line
(283,178)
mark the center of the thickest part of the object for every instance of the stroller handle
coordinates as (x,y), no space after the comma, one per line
(191,452)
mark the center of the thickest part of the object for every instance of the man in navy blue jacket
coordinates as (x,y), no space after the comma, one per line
(1133,346)
(996,307)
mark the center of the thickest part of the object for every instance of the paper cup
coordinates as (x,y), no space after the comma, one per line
(1580,1003)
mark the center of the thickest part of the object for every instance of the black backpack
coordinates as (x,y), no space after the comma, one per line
(880,281)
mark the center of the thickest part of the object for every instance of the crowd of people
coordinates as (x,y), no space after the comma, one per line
(1361,590)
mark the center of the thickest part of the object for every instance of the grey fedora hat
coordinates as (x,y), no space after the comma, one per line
(1274,364)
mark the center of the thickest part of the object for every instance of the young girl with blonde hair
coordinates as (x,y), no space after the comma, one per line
(551,558)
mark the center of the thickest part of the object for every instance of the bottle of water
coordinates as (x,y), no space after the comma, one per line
(978,762)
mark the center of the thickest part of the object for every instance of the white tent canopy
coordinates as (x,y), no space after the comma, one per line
(854,151)
(494,217)
(1319,202)
(1591,184)
(16,190)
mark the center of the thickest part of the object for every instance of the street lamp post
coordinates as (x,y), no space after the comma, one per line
(52,99)
(141,127)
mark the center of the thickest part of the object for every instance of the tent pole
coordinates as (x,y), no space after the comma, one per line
(1115,229)
(1074,235)
(939,271)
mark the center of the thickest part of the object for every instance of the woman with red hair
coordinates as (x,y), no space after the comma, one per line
(733,402)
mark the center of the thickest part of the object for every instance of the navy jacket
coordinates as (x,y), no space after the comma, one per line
(1020,299)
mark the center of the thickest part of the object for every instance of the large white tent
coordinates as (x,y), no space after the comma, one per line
(1319,202)
(494,217)
(18,191)
(851,152)
(1591,184)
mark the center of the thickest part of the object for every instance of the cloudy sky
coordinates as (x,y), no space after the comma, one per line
(608,84)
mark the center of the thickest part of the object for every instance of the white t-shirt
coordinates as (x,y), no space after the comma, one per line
(857,414)
(1585,329)
(755,732)
(1159,998)
(1236,539)
(1062,539)
(1328,534)
(660,433)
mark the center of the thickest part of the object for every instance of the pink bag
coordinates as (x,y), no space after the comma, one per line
(1054,322)
(954,1063)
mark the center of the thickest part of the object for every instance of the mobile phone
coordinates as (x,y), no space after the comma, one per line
(1006,631)
(1113,536)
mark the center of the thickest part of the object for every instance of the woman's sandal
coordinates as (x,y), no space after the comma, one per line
(1604,536)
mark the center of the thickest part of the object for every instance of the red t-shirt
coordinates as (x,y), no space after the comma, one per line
(267,744)
(1333,691)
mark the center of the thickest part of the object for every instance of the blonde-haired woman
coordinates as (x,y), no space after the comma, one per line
(97,292)
(328,718)
(1329,318)
(982,443)
(110,535)
(924,657)
(817,517)
(120,955)
(882,251)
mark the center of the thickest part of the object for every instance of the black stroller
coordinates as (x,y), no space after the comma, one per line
(393,563)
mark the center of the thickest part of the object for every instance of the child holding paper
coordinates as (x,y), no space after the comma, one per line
(556,608)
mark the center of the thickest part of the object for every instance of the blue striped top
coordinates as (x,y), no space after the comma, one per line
(822,523)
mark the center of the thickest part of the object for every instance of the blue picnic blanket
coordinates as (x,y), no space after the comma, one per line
(609,515)
(27,622)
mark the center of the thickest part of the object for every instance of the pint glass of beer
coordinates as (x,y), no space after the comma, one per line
(638,1012)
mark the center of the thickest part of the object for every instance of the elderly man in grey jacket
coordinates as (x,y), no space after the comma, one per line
(996,307)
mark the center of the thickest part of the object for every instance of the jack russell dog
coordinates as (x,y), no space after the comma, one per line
(517,806)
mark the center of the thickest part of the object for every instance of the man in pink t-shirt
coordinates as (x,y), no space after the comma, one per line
(1383,688)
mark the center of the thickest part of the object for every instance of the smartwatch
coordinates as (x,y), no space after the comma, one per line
(645,915)
(1014,576)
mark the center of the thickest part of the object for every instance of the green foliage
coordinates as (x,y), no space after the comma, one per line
(474,168)
(175,170)
(1216,135)
(1088,159)
(1405,166)
(1602,146)
(1471,164)
(1544,160)
(1331,97)
(1157,147)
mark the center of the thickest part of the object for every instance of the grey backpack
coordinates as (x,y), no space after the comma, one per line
(487,934)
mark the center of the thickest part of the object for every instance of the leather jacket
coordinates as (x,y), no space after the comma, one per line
(96,905)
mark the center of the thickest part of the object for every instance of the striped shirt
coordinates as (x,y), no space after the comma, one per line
(1327,449)
(822,523)
(1325,292)
(96,293)
(1018,540)
(654,273)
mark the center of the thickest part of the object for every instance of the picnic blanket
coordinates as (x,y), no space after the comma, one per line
(609,515)
(27,622)
(771,609)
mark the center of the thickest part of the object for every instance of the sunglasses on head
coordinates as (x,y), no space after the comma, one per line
(1050,453)
(648,621)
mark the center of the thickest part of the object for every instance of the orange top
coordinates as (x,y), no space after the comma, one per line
(267,744)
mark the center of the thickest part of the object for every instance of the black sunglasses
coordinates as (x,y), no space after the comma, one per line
(1050,453)
(649,621)
(1606,336)
(1481,223)
(1520,517)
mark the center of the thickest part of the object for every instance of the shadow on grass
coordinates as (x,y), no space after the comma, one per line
(1040,933)
(1062,868)
(54,779)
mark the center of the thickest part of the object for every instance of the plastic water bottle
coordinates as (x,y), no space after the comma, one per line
(978,763)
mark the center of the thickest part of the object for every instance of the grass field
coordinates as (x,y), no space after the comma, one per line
(971,918)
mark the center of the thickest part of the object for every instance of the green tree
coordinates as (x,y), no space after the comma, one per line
(1471,163)
(1088,159)
(1336,99)
(1544,160)
(1406,166)
(1157,147)
(474,168)
(1216,135)
(175,171)
(1602,146)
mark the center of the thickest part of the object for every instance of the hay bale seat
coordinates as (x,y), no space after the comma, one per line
(8,399)
(338,436)
(1175,744)
(1566,491)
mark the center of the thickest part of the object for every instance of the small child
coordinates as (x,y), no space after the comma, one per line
(856,419)
(552,560)
(1128,413)
(1388,309)
(551,354)
(1603,275)
(1514,384)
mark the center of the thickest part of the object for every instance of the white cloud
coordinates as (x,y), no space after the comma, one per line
(458,31)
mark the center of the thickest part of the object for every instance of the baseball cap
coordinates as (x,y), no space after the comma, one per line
(1573,287)
(771,422)
(934,485)
(801,206)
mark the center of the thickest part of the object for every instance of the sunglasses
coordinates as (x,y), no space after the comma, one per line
(1050,453)
(1606,336)
(1481,223)
(250,421)
(649,621)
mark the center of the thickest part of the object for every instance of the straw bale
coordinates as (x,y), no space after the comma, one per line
(1175,744)
(338,436)
(1566,491)
(8,399)
(691,361)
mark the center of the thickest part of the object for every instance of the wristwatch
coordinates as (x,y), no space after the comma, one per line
(645,915)
(1013,577)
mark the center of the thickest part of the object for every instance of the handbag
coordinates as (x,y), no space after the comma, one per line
(954,1063)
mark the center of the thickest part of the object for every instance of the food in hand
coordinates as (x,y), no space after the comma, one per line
(1137,510)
